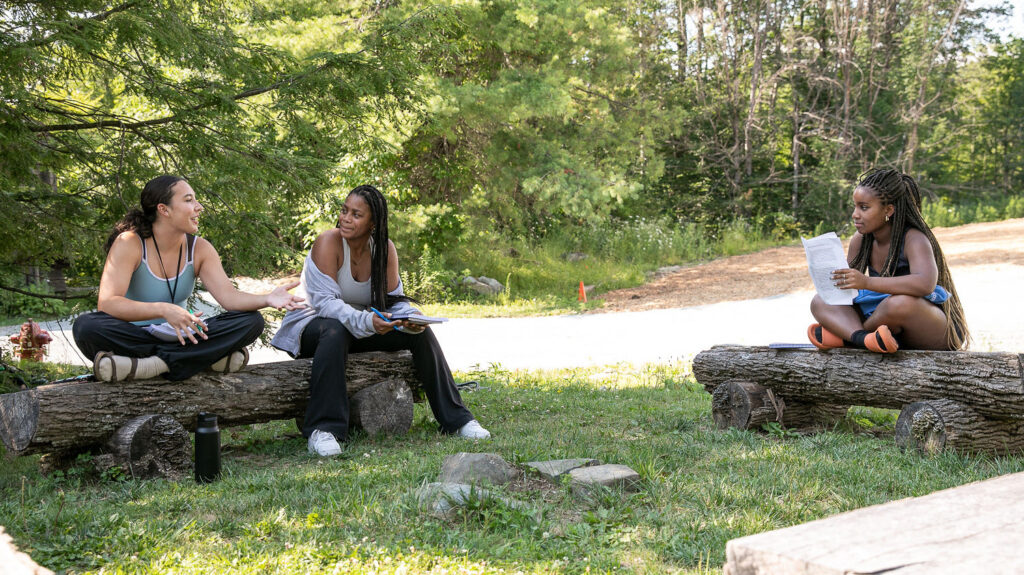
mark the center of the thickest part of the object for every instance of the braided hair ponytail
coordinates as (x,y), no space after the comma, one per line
(902,192)
(140,219)
(379,297)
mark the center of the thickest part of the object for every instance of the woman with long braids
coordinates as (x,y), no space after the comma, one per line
(350,270)
(143,327)
(906,296)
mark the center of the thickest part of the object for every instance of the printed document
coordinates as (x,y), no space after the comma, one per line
(825,255)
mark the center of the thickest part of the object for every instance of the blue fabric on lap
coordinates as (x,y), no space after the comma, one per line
(868,300)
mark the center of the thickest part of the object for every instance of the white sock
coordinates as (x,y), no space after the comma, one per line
(147,367)
(230,363)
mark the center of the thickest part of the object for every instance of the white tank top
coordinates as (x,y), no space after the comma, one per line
(356,294)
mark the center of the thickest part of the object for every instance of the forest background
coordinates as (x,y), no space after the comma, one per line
(507,135)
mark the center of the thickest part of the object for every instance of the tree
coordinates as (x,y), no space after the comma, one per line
(98,98)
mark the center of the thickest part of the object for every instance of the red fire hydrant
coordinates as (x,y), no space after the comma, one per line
(31,342)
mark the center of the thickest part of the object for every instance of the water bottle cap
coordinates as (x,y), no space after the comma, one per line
(206,419)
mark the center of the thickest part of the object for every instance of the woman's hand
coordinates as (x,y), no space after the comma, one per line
(281,299)
(410,327)
(185,323)
(847,278)
(382,326)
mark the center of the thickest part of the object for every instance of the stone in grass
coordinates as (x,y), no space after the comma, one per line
(442,499)
(611,475)
(479,285)
(477,468)
(555,468)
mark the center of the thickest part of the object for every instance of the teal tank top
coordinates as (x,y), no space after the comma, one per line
(147,287)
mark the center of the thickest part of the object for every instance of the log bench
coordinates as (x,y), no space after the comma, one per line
(142,425)
(966,401)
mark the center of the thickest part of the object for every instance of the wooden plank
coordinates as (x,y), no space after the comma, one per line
(974,528)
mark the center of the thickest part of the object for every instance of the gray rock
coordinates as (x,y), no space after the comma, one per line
(668,270)
(611,475)
(555,468)
(442,499)
(473,284)
(477,468)
(574,256)
(491,283)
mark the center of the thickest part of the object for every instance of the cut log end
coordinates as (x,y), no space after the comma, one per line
(385,408)
(936,425)
(746,405)
(18,415)
(920,426)
(149,446)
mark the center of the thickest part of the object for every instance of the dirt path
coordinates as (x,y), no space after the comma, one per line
(783,270)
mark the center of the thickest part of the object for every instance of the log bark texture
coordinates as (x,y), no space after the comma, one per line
(990,383)
(149,446)
(73,416)
(746,405)
(940,424)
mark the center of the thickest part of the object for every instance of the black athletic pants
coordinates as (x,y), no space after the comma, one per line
(227,332)
(329,343)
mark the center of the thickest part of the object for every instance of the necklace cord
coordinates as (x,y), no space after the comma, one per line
(177,276)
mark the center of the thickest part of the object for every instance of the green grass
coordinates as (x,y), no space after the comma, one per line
(276,510)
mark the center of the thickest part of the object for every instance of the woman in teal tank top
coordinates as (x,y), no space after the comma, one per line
(143,328)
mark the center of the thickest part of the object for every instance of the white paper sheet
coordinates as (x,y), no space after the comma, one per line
(825,255)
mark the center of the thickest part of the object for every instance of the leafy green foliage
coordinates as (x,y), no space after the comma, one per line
(98,99)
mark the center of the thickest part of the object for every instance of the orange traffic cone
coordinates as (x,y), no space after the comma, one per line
(583,294)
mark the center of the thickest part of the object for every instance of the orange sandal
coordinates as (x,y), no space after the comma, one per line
(881,341)
(828,340)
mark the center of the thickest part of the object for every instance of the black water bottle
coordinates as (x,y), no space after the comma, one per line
(207,448)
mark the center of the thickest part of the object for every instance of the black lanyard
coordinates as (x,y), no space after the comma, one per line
(177,276)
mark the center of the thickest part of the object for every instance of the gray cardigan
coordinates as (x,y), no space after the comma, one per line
(325,300)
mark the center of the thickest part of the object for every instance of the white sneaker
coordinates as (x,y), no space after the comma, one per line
(473,430)
(323,443)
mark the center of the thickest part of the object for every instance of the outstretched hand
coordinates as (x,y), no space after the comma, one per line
(281,299)
(186,323)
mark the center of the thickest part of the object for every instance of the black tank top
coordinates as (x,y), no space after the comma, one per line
(902,263)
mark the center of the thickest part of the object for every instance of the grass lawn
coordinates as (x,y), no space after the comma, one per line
(277,510)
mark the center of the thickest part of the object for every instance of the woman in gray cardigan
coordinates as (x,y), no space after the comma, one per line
(351,270)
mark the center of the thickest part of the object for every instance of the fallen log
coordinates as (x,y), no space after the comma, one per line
(75,416)
(746,405)
(940,424)
(989,383)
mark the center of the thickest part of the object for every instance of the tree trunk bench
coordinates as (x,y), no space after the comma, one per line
(966,401)
(69,418)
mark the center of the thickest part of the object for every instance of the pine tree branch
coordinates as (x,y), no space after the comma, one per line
(97,18)
(244,95)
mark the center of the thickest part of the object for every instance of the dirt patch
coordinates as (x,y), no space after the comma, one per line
(783,270)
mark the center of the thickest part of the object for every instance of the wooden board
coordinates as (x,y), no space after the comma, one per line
(976,528)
